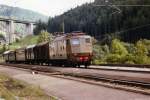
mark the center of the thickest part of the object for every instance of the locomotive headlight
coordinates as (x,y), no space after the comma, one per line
(86,58)
(81,58)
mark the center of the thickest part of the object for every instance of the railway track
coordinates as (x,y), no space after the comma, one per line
(123,80)
(117,81)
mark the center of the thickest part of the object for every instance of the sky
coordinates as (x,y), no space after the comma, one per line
(46,7)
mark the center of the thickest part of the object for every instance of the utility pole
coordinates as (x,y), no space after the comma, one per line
(63,24)
(106,3)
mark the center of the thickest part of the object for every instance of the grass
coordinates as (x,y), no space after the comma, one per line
(29,40)
(11,89)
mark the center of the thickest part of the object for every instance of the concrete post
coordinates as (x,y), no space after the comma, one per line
(11,31)
(29,28)
(7,32)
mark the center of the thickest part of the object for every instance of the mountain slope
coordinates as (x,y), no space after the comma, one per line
(21,14)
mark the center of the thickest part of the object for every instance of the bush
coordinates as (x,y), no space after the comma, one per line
(129,59)
(113,58)
(118,48)
(141,53)
(141,49)
(98,61)
(118,52)
(100,53)
(123,53)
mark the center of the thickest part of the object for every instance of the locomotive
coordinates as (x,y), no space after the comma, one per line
(71,49)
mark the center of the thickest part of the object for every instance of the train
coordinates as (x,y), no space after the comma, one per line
(71,49)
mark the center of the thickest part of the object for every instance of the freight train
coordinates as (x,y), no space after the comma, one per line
(71,49)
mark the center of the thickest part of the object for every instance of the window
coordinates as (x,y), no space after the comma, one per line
(75,42)
(87,40)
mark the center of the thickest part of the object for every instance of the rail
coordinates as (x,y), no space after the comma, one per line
(99,77)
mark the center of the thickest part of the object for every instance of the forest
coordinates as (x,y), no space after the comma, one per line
(104,22)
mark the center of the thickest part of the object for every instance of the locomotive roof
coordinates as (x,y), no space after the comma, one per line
(75,34)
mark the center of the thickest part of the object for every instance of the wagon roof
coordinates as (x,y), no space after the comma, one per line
(30,46)
(6,52)
(23,48)
(43,43)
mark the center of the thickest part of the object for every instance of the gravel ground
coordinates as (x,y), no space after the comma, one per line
(72,90)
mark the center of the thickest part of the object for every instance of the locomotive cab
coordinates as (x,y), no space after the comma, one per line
(80,47)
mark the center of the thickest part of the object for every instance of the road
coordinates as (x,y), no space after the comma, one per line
(69,89)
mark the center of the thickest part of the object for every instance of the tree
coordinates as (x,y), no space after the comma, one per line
(40,26)
(44,36)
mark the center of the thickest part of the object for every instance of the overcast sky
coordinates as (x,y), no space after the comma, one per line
(47,7)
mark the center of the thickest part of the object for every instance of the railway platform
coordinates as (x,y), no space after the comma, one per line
(131,69)
(69,89)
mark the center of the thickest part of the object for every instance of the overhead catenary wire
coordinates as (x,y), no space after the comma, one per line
(127,30)
(125,5)
(117,7)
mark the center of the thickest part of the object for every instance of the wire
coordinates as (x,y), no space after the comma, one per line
(122,5)
(134,28)
(126,30)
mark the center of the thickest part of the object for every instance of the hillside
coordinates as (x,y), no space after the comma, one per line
(130,25)
(26,41)
(21,14)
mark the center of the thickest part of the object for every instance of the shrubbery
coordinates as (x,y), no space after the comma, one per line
(44,36)
(122,53)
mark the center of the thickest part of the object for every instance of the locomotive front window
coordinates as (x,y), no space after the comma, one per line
(75,42)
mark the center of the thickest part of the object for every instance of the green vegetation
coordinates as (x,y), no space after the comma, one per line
(11,89)
(40,27)
(122,53)
(29,40)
